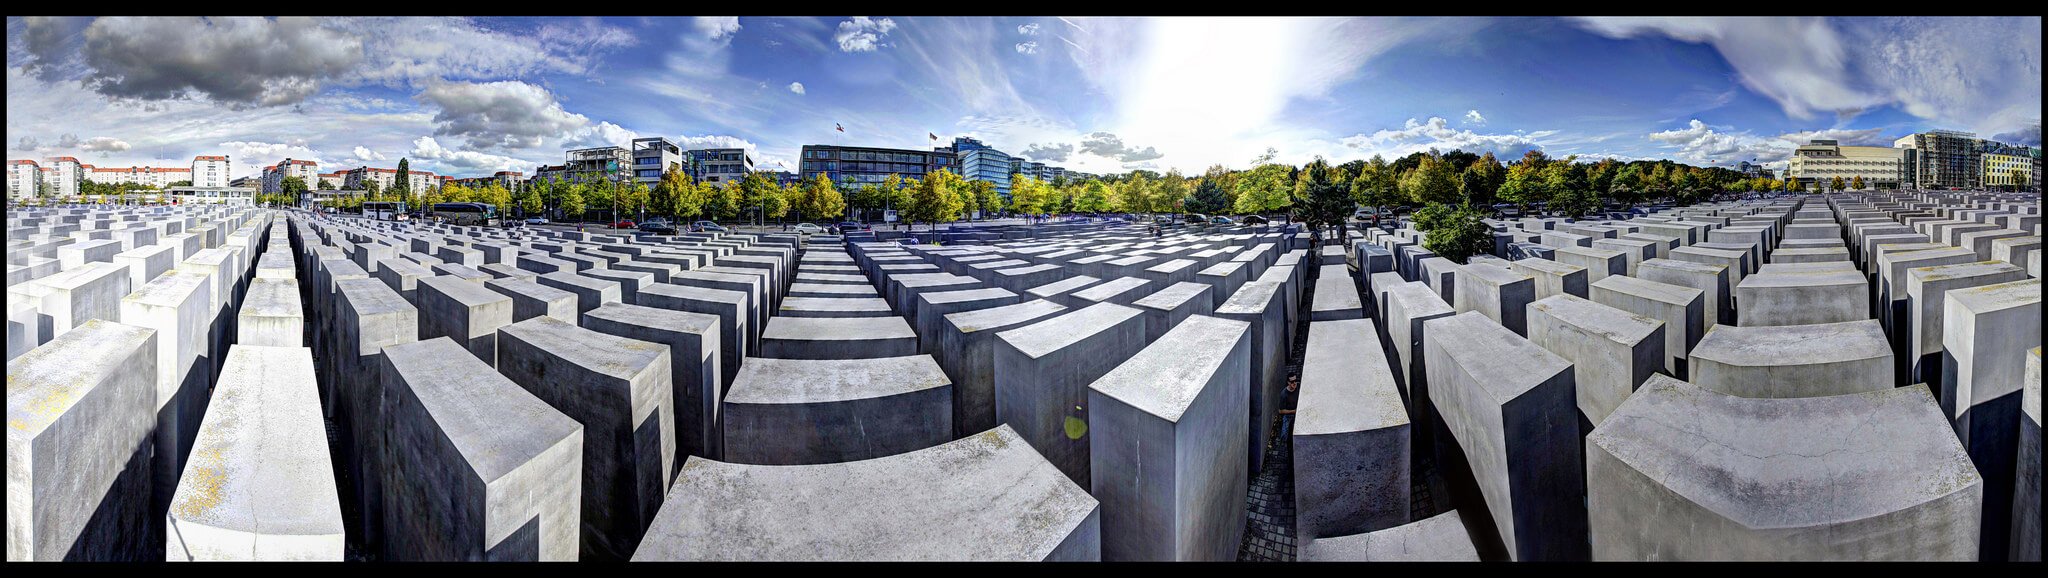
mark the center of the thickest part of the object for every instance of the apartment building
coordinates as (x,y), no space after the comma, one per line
(274,175)
(24,179)
(720,165)
(210,171)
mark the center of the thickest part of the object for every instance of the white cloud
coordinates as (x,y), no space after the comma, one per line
(863,34)
(1030,47)
(1977,73)
(239,61)
(104,144)
(1700,143)
(1104,144)
(503,114)
(1028,29)
(1864,137)
(796,87)
(259,154)
(1472,117)
(717,27)
(600,135)
(1048,152)
(1437,134)
(426,148)
(367,154)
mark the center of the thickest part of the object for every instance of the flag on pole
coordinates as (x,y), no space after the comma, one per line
(836,126)
(934,136)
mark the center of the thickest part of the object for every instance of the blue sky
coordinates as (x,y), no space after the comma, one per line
(469,96)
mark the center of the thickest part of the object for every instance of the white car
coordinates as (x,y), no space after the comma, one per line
(536,220)
(809,228)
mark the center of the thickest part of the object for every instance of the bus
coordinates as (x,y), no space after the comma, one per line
(384,211)
(480,214)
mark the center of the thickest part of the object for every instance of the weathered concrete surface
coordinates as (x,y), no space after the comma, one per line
(80,410)
(1612,351)
(1925,287)
(966,351)
(1801,298)
(1716,295)
(1511,407)
(1682,309)
(1794,361)
(2026,496)
(179,306)
(1552,277)
(1042,372)
(1351,438)
(1867,476)
(86,292)
(619,390)
(482,470)
(1599,263)
(693,341)
(530,300)
(1167,307)
(983,497)
(466,312)
(834,307)
(817,411)
(734,320)
(1165,450)
(837,338)
(1440,538)
(1259,303)
(1497,292)
(1336,295)
(369,317)
(1989,330)
(591,292)
(260,485)
(271,314)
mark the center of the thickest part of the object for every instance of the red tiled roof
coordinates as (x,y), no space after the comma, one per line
(61,159)
(209,158)
(22,162)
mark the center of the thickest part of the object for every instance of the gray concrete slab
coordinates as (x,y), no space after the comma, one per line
(80,412)
(260,485)
(1351,435)
(1042,372)
(820,411)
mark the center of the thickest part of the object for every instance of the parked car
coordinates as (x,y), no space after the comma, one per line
(808,228)
(845,227)
(1221,220)
(624,224)
(1254,220)
(707,227)
(536,220)
(658,226)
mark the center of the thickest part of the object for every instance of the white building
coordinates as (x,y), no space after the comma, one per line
(24,179)
(359,177)
(65,176)
(210,171)
(213,195)
(274,175)
(158,177)
(1818,162)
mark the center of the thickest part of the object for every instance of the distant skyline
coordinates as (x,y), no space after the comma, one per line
(470,96)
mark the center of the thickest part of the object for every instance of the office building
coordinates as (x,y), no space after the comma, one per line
(652,157)
(719,165)
(1943,159)
(210,171)
(990,165)
(1819,161)
(24,179)
(850,166)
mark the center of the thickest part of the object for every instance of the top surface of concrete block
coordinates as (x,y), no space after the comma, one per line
(1502,364)
(1354,390)
(1004,316)
(1789,463)
(1044,337)
(1166,376)
(597,352)
(764,380)
(496,424)
(43,384)
(260,462)
(984,497)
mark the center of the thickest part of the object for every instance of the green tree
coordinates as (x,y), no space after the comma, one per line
(1171,192)
(573,201)
(497,196)
(370,190)
(1835,184)
(722,200)
(1030,196)
(1209,193)
(1376,184)
(1093,197)
(1455,233)
(974,196)
(817,199)
(1431,182)
(1857,183)
(936,199)
(293,188)
(663,197)
(1322,194)
(1570,193)
(401,186)
(1265,188)
(1481,181)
